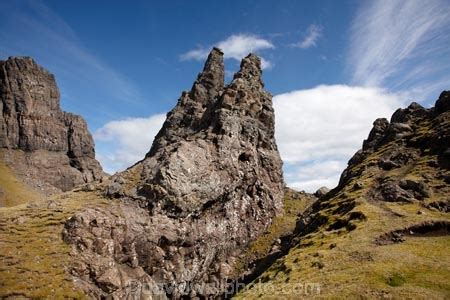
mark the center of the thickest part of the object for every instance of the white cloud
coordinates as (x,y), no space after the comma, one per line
(319,129)
(265,64)
(315,174)
(235,47)
(401,44)
(122,143)
(195,54)
(313,33)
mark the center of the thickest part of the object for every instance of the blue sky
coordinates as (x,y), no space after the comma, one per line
(332,66)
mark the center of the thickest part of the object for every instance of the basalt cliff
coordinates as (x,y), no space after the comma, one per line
(51,150)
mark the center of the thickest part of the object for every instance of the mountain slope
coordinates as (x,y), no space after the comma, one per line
(384,231)
(34,260)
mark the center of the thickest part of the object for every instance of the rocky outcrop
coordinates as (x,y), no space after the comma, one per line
(210,184)
(54,146)
(416,132)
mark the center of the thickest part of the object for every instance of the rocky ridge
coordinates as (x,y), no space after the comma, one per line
(209,186)
(386,222)
(44,145)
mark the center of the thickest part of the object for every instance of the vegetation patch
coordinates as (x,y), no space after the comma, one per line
(34,259)
(395,280)
(295,203)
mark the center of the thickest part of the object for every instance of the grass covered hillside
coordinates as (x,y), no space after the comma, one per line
(384,231)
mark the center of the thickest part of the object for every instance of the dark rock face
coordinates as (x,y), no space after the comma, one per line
(210,184)
(443,103)
(31,120)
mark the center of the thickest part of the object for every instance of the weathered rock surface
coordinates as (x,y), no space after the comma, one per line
(210,184)
(52,145)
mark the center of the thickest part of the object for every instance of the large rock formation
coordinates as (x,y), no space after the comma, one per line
(43,141)
(210,184)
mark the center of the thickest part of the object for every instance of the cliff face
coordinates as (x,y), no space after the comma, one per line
(210,184)
(380,233)
(43,141)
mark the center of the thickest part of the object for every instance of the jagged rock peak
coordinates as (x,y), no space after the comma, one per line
(217,126)
(31,119)
(210,185)
(213,75)
(188,115)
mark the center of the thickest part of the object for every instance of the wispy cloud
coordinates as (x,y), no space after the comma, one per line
(401,44)
(121,143)
(32,28)
(331,121)
(312,36)
(234,47)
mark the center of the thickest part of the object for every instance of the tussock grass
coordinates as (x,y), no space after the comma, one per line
(33,257)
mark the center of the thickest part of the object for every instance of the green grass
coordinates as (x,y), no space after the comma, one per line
(13,191)
(395,280)
(33,257)
(356,267)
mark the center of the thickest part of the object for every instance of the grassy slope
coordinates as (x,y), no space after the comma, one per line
(33,256)
(13,191)
(346,262)
(350,263)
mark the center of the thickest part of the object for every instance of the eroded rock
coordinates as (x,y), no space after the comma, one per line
(210,184)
